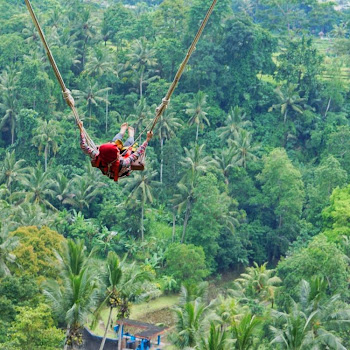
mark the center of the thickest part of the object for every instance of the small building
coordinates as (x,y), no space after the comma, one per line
(140,335)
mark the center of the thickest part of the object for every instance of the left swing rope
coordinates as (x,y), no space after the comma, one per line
(66,92)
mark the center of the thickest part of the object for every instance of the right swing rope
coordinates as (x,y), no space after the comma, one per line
(165,101)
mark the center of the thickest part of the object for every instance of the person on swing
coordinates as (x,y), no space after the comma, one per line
(107,157)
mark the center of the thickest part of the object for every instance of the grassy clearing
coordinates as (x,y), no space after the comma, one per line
(154,311)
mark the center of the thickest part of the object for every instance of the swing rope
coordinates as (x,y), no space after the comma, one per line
(66,92)
(166,100)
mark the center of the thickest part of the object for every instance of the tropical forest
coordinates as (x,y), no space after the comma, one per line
(236,233)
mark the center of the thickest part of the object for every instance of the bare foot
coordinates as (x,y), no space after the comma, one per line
(123,128)
(131,131)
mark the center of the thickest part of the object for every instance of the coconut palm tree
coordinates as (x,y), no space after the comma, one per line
(9,99)
(92,96)
(236,120)
(12,171)
(112,298)
(122,284)
(242,148)
(314,322)
(47,135)
(217,339)
(100,61)
(84,29)
(141,115)
(83,192)
(140,187)
(195,162)
(190,323)
(198,111)
(339,31)
(244,329)
(7,244)
(258,282)
(289,99)
(75,299)
(29,214)
(184,198)
(143,60)
(165,129)
(38,187)
(224,160)
(62,188)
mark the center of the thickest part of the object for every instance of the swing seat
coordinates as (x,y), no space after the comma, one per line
(139,164)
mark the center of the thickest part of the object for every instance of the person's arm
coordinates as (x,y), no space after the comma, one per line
(92,153)
(140,151)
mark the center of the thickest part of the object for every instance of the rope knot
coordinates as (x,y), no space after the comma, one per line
(164,103)
(67,95)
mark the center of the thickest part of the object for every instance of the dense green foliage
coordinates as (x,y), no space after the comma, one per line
(248,168)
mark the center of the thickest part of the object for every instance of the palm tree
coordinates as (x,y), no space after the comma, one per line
(84,30)
(227,310)
(244,329)
(38,187)
(28,214)
(142,58)
(189,323)
(75,299)
(259,282)
(217,339)
(93,96)
(112,299)
(166,128)
(242,148)
(47,135)
(7,244)
(184,198)
(141,115)
(83,192)
(195,162)
(12,171)
(123,282)
(314,322)
(339,31)
(100,62)
(140,187)
(62,188)
(9,99)
(289,99)
(234,122)
(198,110)
(224,160)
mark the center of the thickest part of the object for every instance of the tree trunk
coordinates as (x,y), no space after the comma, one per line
(174,227)
(12,130)
(107,112)
(285,116)
(65,341)
(142,215)
(120,336)
(90,113)
(161,159)
(45,156)
(327,109)
(141,82)
(197,133)
(107,325)
(187,216)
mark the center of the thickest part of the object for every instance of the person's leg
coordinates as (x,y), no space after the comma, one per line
(130,141)
(121,133)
